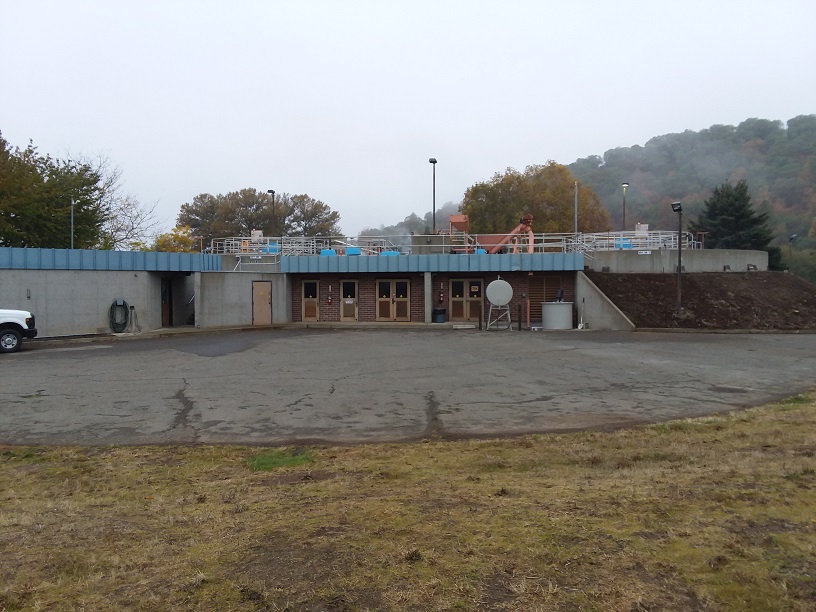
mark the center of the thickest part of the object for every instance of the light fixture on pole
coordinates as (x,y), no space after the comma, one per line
(432,161)
(274,215)
(678,208)
(72,223)
(623,224)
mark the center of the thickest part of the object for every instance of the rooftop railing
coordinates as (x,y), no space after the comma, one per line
(416,244)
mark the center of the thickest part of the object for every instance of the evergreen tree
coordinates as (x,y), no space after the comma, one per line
(731,222)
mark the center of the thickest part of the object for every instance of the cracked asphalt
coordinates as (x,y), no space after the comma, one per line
(281,386)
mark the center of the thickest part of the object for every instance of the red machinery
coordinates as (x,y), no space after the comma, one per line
(493,243)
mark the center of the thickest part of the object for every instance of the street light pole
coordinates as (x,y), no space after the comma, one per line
(274,214)
(575,218)
(72,223)
(432,161)
(678,208)
(624,185)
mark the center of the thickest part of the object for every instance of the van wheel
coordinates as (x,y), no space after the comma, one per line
(10,340)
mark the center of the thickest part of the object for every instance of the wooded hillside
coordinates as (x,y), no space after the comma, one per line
(778,162)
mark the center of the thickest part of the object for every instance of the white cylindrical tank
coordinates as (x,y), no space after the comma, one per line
(556,315)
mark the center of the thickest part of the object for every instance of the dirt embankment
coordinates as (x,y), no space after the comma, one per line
(715,300)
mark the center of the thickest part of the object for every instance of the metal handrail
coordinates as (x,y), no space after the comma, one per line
(292,246)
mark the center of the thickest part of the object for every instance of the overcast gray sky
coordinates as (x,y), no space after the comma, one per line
(346,101)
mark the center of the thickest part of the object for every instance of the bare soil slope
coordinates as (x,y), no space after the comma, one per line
(716,300)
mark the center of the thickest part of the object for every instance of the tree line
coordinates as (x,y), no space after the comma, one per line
(776,160)
(38,193)
(58,203)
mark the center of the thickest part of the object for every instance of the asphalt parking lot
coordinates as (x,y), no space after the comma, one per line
(361,385)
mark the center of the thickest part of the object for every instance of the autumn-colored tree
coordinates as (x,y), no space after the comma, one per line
(178,240)
(545,191)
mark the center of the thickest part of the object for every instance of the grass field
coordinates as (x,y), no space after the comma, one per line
(712,513)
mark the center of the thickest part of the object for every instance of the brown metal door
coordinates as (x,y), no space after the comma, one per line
(384,300)
(474,300)
(393,300)
(402,301)
(167,302)
(465,299)
(310,310)
(261,303)
(457,300)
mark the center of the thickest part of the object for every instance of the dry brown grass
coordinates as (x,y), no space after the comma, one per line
(711,513)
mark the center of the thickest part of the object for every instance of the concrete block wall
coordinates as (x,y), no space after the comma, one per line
(598,311)
(75,302)
(658,261)
(225,298)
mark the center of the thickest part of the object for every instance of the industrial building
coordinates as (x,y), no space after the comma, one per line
(420,279)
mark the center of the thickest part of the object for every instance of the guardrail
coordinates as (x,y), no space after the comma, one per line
(274,247)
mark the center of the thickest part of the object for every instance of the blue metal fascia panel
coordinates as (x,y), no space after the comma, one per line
(511,262)
(91,259)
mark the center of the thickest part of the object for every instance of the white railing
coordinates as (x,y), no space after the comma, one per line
(274,247)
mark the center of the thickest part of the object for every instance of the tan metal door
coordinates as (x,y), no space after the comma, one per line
(474,300)
(465,299)
(310,309)
(261,303)
(393,300)
(348,297)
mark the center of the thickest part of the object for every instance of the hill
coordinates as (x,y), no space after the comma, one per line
(730,300)
(778,162)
